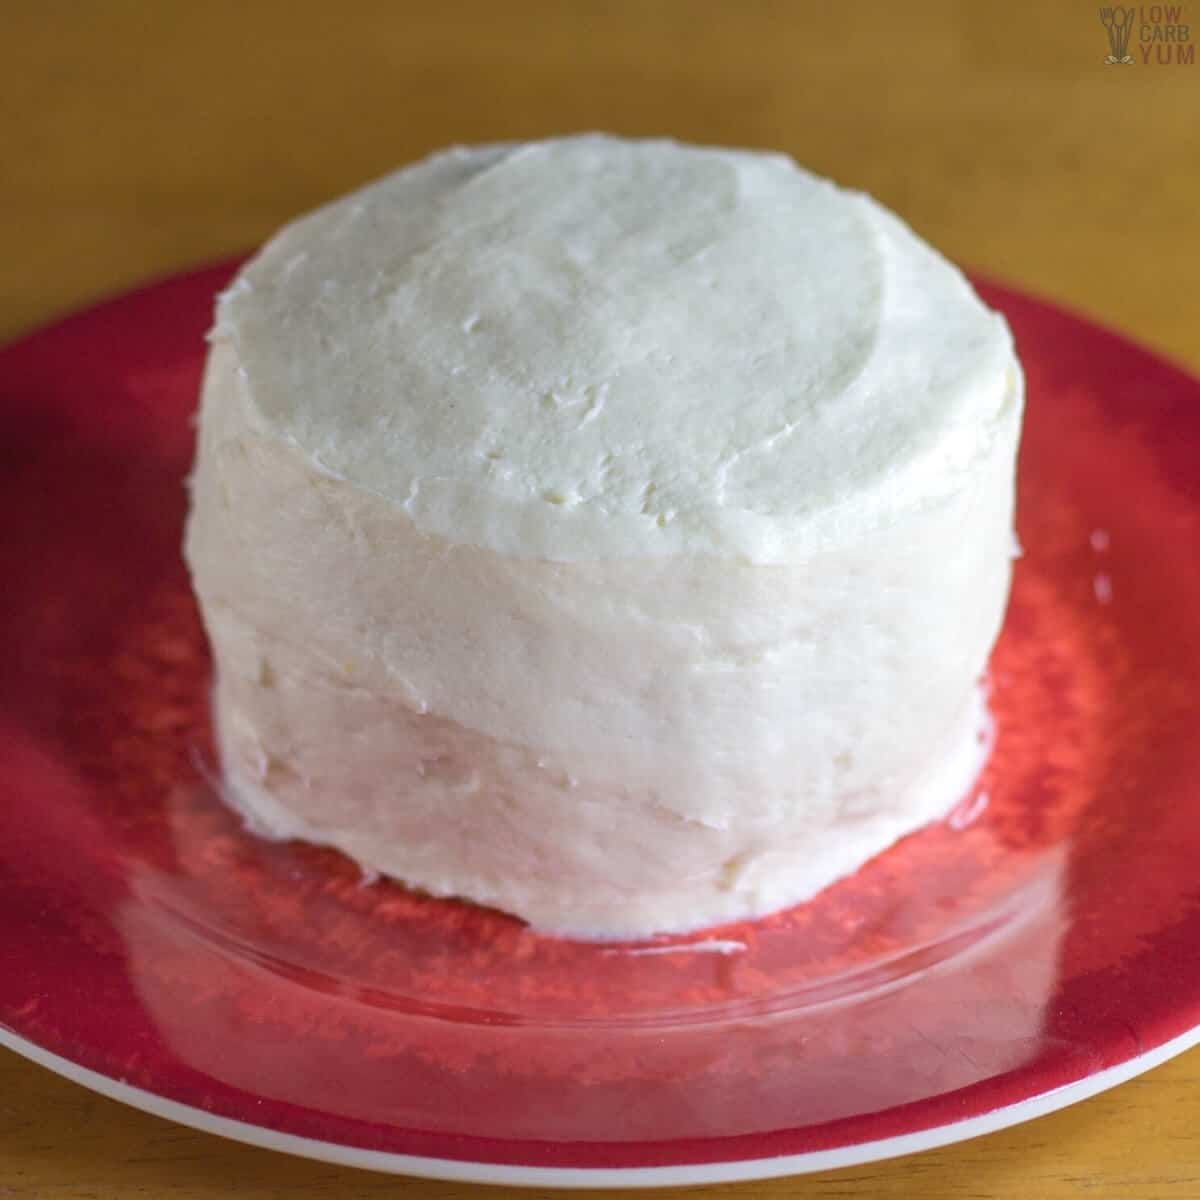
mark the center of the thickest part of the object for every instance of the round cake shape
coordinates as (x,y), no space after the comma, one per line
(613,532)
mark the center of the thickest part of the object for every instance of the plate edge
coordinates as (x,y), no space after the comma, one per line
(677,1175)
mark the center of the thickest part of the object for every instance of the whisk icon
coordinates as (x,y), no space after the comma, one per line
(1118,22)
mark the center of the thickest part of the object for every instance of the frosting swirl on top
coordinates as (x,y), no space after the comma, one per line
(591,348)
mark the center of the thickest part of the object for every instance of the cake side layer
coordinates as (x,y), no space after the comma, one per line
(457,814)
(722,691)
(592,348)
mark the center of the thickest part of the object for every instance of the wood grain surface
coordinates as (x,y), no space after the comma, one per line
(139,138)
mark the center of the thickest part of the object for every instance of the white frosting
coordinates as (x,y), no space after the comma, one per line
(611,532)
(592,348)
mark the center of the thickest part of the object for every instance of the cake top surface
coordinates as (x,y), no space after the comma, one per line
(590,348)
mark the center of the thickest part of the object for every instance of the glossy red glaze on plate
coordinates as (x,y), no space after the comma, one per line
(1049,929)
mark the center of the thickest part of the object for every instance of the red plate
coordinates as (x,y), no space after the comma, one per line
(1039,945)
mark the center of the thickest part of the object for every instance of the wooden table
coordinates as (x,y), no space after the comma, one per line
(140,138)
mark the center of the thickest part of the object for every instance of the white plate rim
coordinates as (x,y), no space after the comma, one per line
(680,1175)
